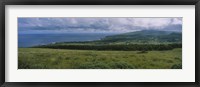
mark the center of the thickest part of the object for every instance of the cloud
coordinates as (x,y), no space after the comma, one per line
(99,24)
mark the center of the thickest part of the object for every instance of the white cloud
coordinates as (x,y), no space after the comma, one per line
(98,24)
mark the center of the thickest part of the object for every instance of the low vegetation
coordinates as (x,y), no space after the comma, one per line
(147,49)
(44,58)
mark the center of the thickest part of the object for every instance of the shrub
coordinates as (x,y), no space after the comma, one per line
(122,65)
(142,52)
(23,65)
(90,65)
(176,66)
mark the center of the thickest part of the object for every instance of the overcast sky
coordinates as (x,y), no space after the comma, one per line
(102,25)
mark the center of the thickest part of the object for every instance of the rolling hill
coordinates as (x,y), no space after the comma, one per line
(145,37)
(139,40)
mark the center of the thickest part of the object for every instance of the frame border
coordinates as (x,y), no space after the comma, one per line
(99,2)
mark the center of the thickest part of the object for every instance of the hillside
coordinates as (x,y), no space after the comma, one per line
(138,37)
(145,37)
(140,40)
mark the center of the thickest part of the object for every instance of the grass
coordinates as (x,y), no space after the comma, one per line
(44,58)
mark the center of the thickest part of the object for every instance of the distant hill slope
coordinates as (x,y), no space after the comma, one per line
(139,40)
(145,36)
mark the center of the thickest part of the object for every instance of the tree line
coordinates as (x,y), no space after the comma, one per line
(130,47)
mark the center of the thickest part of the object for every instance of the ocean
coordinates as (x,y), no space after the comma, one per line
(29,40)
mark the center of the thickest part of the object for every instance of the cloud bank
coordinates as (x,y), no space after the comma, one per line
(98,24)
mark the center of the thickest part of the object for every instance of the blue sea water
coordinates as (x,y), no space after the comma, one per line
(28,40)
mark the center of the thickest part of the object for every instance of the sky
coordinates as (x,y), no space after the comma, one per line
(96,25)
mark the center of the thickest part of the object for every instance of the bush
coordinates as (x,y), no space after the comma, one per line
(142,52)
(90,65)
(176,66)
(121,65)
(23,65)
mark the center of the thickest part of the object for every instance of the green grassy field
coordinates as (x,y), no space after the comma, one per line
(44,58)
